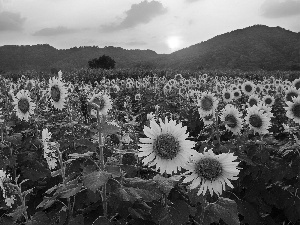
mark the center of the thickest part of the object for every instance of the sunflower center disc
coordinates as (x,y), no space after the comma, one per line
(227,95)
(55,93)
(255,121)
(248,88)
(290,95)
(252,102)
(236,94)
(206,103)
(209,169)
(166,146)
(23,105)
(296,110)
(268,101)
(100,102)
(232,120)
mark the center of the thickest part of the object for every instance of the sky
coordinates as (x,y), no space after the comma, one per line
(164,26)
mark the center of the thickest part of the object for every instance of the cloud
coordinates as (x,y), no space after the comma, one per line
(140,13)
(278,9)
(190,1)
(54,31)
(136,43)
(10,21)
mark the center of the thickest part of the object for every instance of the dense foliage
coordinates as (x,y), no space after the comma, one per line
(103,62)
(251,48)
(68,158)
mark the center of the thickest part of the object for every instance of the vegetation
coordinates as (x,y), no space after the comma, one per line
(103,62)
(74,149)
(252,48)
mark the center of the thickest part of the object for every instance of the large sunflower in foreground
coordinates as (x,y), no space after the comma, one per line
(293,110)
(258,120)
(102,102)
(233,119)
(211,172)
(166,146)
(24,107)
(57,92)
(207,104)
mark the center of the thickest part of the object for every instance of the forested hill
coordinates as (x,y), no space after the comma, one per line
(256,47)
(251,48)
(45,57)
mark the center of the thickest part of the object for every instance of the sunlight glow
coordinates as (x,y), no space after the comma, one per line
(173,42)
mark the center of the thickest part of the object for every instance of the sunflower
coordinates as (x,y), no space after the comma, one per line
(268,100)
(57,92)
(166,146)
(102,102)
(236,94)
(296,83)
(24,107)
(207,104)
(290,93)
(293,110)
(137,84)
(233,119)
(258,89)
(258,121)
(211,172)
(253,100)
(178,77)
(137,97)
(248,88)
(167,88)
(30,84)
(266,109)
(227,95)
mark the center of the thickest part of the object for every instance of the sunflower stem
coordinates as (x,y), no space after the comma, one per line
(101,164)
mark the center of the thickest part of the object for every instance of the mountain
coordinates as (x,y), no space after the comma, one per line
(255,47)
(251,48)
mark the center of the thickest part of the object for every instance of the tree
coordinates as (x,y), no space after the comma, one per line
(104,62)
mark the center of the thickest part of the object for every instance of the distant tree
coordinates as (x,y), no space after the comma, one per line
(54,71)
(104,62)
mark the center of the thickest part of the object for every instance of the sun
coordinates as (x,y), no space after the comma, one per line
(173,42)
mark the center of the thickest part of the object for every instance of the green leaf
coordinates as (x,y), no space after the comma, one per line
(71,192)
(114,170)
(78,220)
(175,214)
(101,220)
(165,185)
(225,209)
(39,218)
(46,203)
(133,194)
(16,138)
(109,128)
(248,211)
(95,180)
(18,212)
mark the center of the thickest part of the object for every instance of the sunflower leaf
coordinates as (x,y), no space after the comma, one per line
(109,128)
(95,180)
(225,209)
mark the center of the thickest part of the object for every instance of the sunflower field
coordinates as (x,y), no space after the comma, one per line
(113,147)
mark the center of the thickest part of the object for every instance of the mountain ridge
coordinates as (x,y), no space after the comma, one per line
(251,48)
